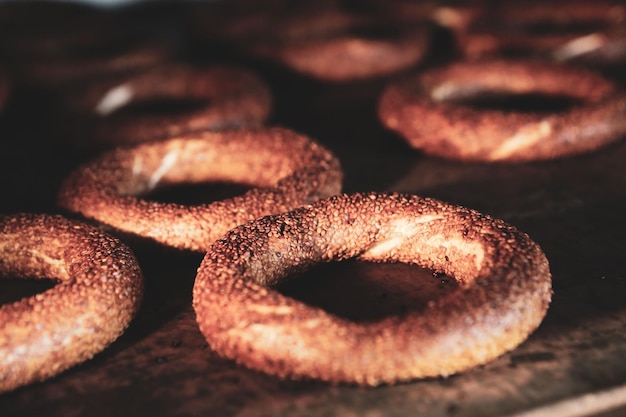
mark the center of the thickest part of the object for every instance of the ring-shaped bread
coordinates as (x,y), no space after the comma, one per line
(580,32)
(286,170)
(504,279)
(329,41)
(224,96)
(61,74)
(425,110)
(98,291)
(345,56)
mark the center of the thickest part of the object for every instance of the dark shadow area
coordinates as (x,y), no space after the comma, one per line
(14,289)
(367,291)
(196,194)
(523,103)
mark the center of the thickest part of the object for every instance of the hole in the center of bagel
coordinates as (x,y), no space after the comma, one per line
(15,289)
(161,106)
(367,291)
(514,102)
(198,193)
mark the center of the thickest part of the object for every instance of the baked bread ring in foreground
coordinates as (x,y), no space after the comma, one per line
(99,290)
(504,279)
(423,111)
(288,170)
(223,97)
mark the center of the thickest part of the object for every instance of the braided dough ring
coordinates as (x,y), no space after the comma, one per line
(504,278)
(230,97)
(99,291)
(422,110)
(288,169)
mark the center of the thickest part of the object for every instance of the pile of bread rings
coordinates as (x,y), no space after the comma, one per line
(295,215)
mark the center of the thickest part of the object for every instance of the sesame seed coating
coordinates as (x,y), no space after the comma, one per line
(422,110)
(288,170)
(504,277)
(98,291)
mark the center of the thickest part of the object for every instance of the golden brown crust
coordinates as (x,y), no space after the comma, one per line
(504,278)
(99,290)
(288,169)
(229,96)
(422,110)
(330,41)
(347,56)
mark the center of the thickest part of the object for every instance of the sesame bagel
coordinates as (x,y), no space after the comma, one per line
(223,97)
(580,32)
(350,56)
(98,291)
(327,41)
(504,279)
(427,111)
(286,170)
